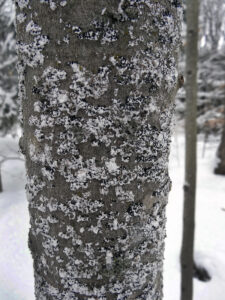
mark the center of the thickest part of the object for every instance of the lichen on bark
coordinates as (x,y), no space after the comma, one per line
(97,82)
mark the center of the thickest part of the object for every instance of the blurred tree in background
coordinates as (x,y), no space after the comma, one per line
(220,168)
(212,24)
(211,67)
(9,106)
(8,74)
(191,88)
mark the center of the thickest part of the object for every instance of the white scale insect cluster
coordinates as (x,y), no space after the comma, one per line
(97,137)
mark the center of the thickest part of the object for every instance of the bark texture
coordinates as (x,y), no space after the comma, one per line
(97,81)
(187,250)
(220,168)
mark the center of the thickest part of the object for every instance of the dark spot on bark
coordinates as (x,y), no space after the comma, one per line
(167,13)
(191,31)
(176,3)
(112,17)
(35,90)
(117,254)
(180,81)
(31,243)
(48,168)
(185,187)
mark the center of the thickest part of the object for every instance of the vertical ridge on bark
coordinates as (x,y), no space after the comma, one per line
(187,250)
(97,81)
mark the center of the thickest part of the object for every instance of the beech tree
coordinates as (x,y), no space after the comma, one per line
(97,82)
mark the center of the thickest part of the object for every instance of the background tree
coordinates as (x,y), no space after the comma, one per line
(212,23)
(8,74)
(187,263)
(220,168)
(97,81)
(211,68)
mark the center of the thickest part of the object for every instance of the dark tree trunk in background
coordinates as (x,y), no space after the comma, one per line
(220,168)
(97,81)
(190,151)
(1,188)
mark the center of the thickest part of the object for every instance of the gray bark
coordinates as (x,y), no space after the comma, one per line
(97,81)
(220,168)
(190,151)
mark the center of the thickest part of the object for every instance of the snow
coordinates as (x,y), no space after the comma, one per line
(22,3)
(108,258)
(16,275)
(112,166)
(210,221)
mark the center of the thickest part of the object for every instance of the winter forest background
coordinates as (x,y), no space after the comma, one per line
(16,274)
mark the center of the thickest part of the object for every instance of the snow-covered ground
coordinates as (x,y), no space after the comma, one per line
(16,274)
(210,223)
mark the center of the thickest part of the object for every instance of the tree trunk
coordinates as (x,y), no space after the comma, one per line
(190,151)
(1,188)
(220,168)
(97,81)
